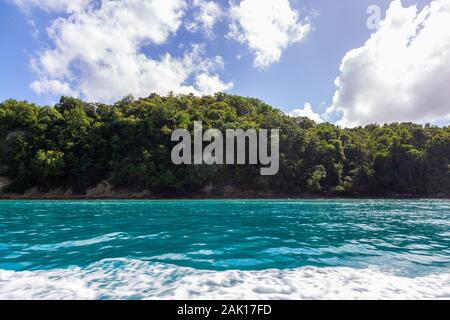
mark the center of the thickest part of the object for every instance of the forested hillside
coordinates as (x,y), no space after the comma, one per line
(76,145)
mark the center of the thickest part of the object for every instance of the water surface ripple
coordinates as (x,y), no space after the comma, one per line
(401,238)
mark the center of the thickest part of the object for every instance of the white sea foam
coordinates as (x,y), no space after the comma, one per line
(132,279)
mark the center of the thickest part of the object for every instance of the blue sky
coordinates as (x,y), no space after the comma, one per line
(305,72)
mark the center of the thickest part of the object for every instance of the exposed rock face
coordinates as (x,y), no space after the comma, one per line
(102,189)
(106,190)
(32,193)
(4,181)
(208,189)
(230,191)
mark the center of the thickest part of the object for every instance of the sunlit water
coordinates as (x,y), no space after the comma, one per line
(352,249)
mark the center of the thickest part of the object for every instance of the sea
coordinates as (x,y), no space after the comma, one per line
(225,249)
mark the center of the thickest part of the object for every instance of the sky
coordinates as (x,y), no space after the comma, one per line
(349,62)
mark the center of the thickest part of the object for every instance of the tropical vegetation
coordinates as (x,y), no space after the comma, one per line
(76,145)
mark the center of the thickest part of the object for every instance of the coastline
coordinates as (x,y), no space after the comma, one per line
(139,196)
(105,191)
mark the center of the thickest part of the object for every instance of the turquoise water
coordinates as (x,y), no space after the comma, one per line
(405,239)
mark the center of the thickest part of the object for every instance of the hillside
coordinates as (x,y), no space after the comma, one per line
(78,149)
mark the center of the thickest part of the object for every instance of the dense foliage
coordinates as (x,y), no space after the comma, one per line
(77,145)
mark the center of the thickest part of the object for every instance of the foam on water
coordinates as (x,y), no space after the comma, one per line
(135,279)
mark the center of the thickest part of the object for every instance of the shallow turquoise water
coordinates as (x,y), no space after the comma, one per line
(412,237)
(95,249)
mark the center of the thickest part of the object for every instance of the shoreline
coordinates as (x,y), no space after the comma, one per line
(220,197)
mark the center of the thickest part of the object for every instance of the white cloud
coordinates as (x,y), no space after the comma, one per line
(98,53)
(209,84)
(267,27)
(207,14)
(308,112)
(53,87)
(402,73)
(51,5)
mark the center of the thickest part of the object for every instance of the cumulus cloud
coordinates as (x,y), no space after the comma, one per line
(209,84)
(206,15)
(267,27)
(402,73)
(308,112)
(52,5)
(98,53)
(55,87)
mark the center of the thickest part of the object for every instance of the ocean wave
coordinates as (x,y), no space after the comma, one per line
(77,243)
(135,279)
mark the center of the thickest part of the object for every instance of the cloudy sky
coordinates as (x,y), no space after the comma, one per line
(326,59)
